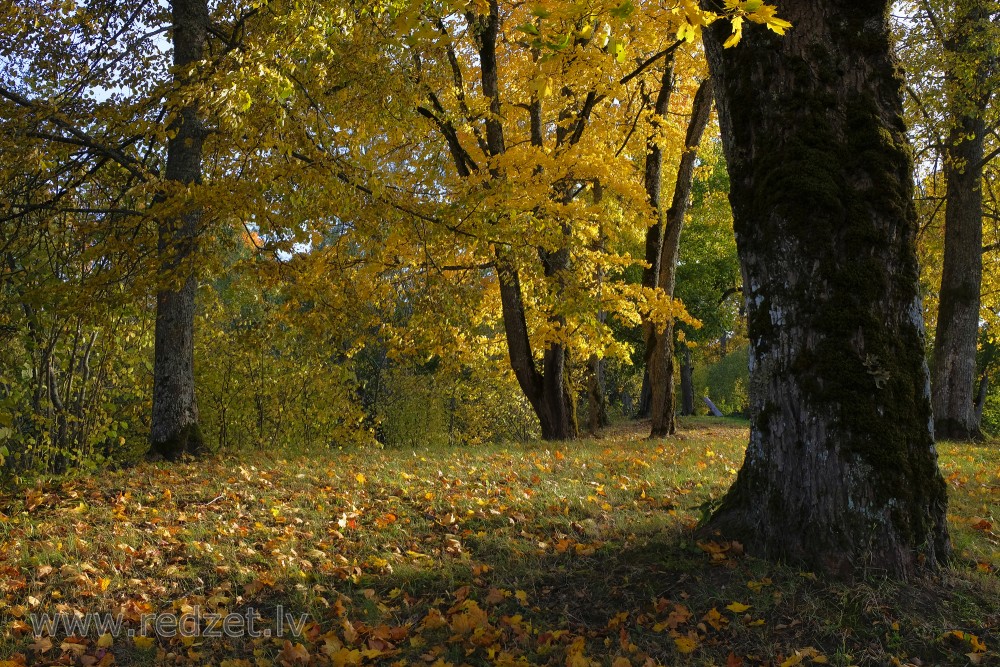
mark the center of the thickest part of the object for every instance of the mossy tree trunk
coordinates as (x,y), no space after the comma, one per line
(841,471)
(954,364)
(174,425)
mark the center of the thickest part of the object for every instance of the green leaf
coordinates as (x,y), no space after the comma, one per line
(616,47)
(561,44)
(623,11)
(285,91)
(528,28)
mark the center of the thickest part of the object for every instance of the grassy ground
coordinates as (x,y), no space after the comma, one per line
(578,555)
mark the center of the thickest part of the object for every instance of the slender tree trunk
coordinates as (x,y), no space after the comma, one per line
(661,361)
(174,428)
(981,395)
(546,389)
(961,278)
(653,183)
(687,384)
(954,364)
(841,471)
(548,399)
(645,390)
(597,404)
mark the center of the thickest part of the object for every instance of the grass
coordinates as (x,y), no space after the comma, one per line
(575,555)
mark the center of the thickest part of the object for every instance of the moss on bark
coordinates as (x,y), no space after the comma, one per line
(188,440)
(841,466)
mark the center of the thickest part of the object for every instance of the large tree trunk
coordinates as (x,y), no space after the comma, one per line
(841,471)
(661,361)
(174,428)
(954,364)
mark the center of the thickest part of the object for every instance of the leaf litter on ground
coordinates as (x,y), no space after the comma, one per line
(577,555)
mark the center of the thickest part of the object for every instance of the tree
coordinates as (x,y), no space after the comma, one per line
(950,51)
(101,123)
(841,470)
(708,274)
(174,426)
(530,105)
(661,356)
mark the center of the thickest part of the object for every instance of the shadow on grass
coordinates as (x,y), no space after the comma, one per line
(641,595)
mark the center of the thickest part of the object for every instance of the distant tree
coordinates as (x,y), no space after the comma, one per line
(950,53)
(661,355)
(841,471)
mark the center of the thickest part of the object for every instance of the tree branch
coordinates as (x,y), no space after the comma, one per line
(80,138)
(649,61)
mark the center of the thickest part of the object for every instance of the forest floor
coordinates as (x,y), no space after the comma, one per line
(572,555)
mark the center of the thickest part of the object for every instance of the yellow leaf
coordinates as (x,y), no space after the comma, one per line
(686,644)
(778,25)
(687,32)
(144,642)
(346,656)
(105,640)
(361,478)
(737,607)
(715,619)
(734,39)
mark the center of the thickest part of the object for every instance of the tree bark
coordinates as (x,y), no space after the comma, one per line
(687,384)
(174,427)
(954,363)
(841,471)
(597,404)
(653,183)
(981,395)
(661,361)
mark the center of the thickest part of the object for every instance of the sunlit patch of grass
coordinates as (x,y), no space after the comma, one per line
(972,472)
(570,553)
